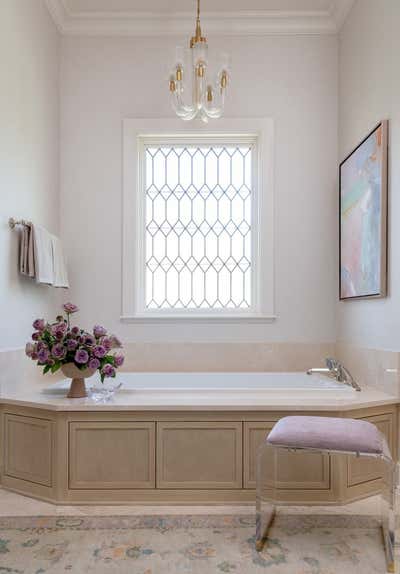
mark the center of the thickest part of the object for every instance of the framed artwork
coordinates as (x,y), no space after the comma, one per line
(363,183)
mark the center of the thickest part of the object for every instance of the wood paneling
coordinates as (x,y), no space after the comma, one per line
(28,448)
(199,455)
(360,470)
(111,455)
(296,471)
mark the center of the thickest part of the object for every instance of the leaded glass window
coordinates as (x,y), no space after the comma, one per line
(198,225)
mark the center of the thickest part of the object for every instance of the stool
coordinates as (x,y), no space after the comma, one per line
(324,435)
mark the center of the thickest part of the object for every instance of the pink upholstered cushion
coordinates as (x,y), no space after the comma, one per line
(326,433)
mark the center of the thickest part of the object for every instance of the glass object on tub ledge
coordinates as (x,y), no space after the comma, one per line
(102,392)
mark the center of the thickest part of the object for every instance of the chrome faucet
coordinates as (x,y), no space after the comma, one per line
(338,371)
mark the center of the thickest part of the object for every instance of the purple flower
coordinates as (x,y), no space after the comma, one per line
(75,331)
(88,340)
(39,324)
(35,336)
(94,363)
(99,351)
(118,360)
(58,351)
(43,355)
(59,330)
(108,370)
(29,349)
(50,362)
(106,342)
(99,331)
(81,356)
(72,344)
(34,356)
(70,308)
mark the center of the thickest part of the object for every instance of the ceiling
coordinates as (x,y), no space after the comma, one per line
(223,17)
(189,5)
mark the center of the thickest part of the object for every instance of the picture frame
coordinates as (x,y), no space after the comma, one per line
(363,213)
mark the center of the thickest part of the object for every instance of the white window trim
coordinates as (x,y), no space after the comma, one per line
(134,132)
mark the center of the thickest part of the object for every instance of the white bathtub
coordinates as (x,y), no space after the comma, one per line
(228,382)
(220,383)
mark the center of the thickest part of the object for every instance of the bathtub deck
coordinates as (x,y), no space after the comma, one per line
(44,397)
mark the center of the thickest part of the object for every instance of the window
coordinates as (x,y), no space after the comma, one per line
(198,239)
(195,230)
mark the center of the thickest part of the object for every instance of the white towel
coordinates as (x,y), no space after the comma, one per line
(60,270)
(43,248)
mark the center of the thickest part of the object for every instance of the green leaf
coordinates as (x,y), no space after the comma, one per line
(46,369)
(55,367)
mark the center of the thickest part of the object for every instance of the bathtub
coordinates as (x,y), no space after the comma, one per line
(223,382)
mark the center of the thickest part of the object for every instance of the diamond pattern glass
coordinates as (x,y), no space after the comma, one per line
(198,227)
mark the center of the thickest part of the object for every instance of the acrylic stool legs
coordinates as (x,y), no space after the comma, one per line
(266,500)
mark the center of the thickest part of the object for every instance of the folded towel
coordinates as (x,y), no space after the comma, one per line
(23,250)
(26,255)
(60,270)
(31,253)
(43,253)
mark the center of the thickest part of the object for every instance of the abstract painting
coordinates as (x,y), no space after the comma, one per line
(363,218)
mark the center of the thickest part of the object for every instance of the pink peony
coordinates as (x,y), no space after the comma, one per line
(99,331)
(94,363)
(39,324)
(70,308)
(118,360)
(108,371)
(81,356)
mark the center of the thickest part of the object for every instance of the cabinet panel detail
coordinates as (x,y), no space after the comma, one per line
(111,455)
(199,455)
(296,471)
(360,470)
(28,445)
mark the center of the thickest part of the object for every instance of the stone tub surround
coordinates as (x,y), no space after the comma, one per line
(234,357)
(16,369)
(370,367)
(376,368)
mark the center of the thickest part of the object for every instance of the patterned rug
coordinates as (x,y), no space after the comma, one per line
(299,544)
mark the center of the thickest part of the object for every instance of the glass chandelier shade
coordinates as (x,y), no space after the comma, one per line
(208,98)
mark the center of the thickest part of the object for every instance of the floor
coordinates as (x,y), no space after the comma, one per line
(41,538)
(12,504)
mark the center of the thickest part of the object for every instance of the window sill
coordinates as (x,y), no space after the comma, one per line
(198,319)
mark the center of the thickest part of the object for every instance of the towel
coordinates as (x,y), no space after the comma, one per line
(23,251)
(43,253)
(60,270)
(26,255)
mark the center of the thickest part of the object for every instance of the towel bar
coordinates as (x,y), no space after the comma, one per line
(13,222)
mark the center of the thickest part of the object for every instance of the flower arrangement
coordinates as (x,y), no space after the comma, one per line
(56,344)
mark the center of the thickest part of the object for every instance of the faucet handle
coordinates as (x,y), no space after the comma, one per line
(331,363)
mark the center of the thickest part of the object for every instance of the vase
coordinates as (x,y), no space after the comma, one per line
(77,389)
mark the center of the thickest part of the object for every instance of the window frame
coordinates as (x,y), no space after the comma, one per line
(139,133)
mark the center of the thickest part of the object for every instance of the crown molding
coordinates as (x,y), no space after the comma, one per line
(243,23)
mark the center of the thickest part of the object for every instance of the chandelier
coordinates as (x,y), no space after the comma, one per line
(208,98)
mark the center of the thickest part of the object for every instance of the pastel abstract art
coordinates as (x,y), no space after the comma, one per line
(363,218)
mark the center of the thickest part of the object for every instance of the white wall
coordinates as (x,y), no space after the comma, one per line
(291,79)
(29,154)
(369,92)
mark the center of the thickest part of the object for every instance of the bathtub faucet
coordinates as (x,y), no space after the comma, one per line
(338,371)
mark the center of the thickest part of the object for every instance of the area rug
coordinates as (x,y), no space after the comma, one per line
(299,544)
